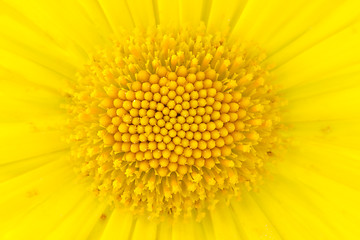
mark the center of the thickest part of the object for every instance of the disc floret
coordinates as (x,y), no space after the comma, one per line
(169,123)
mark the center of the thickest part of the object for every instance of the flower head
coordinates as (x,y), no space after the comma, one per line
(169,122)
(167,119)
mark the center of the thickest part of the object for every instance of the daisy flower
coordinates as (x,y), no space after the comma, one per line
(201,119)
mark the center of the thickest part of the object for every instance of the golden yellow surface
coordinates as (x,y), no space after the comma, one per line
(312,189)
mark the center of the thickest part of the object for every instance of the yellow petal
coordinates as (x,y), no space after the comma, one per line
(27,196)
(116,13)
(224,14)
(145,229)
(169,13)
(224,223)
(191,11)
(252,220)
(80,221)
(70,27)
(143,13)
(119,225)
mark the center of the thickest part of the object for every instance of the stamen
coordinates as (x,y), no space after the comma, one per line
(169,123)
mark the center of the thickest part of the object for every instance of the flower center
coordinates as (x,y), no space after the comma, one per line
(170,123)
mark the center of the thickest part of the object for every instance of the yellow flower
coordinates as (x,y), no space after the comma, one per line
(160,119)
